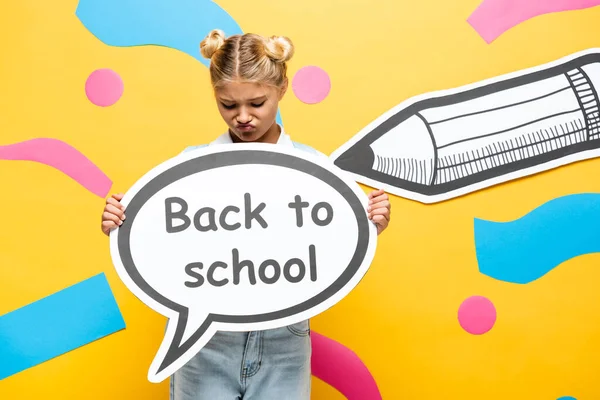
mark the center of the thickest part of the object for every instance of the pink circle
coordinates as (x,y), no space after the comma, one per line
(477,315)
(104,87)
(311,84)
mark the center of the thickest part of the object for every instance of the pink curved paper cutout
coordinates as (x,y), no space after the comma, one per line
(340,367)
(494,17)
(59,155)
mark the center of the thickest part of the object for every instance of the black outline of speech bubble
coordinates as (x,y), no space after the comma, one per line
(226,159)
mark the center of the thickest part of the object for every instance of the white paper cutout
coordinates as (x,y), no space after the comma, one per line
(157,251)
(445,144)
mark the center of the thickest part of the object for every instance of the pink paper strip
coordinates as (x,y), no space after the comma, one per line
(59,155)
(340,367)
(494,17)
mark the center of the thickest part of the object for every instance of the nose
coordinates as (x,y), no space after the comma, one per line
(244,116)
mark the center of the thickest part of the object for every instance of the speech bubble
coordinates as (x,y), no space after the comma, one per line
(240,237)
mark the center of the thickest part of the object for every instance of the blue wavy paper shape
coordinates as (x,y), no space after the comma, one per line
(176,24)
(528,248)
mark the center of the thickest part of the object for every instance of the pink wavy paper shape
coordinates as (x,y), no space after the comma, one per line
(494,17)
(59,155)
(340,367)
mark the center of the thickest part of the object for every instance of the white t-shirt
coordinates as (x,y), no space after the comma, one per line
(284,140)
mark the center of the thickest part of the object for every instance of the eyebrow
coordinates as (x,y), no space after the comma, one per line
(253,99)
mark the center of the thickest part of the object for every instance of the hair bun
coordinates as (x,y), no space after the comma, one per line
(279,48)
(212,42)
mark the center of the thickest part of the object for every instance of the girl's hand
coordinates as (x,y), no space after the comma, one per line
(113,214)
(379,209)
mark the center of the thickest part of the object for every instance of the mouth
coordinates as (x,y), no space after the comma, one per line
(63,157)
(245,127)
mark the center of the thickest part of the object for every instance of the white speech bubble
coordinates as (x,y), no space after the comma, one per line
(240,237)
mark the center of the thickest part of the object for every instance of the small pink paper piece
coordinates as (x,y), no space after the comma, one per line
(341,368)
(494,17)
(477,315)
(104,87)
(311,84)
(61,156)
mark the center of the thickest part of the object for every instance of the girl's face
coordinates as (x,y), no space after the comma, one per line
(250,109)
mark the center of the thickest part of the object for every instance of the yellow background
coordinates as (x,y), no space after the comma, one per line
(401,320)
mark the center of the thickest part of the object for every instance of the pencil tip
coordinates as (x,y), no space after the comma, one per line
(357,159)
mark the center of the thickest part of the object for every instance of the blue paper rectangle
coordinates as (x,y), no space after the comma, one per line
(56,324)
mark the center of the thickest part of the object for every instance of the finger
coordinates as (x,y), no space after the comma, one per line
(384,212)
(380,198)
(381,222)
(107,226)
(375,193)
(118,196)
(108,217)
(382,204)
(381,210)
(114,210)
(115,203)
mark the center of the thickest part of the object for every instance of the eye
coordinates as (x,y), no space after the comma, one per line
(258,105)
(228,106)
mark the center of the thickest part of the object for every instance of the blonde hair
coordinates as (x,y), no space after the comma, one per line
(247,58)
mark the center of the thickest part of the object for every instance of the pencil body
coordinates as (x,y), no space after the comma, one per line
(445,144)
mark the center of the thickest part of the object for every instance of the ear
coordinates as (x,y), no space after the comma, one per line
(283,89)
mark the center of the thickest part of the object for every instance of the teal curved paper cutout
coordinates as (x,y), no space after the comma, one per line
(528,248)
(176,24)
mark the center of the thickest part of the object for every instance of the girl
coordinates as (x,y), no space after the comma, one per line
(248,74)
